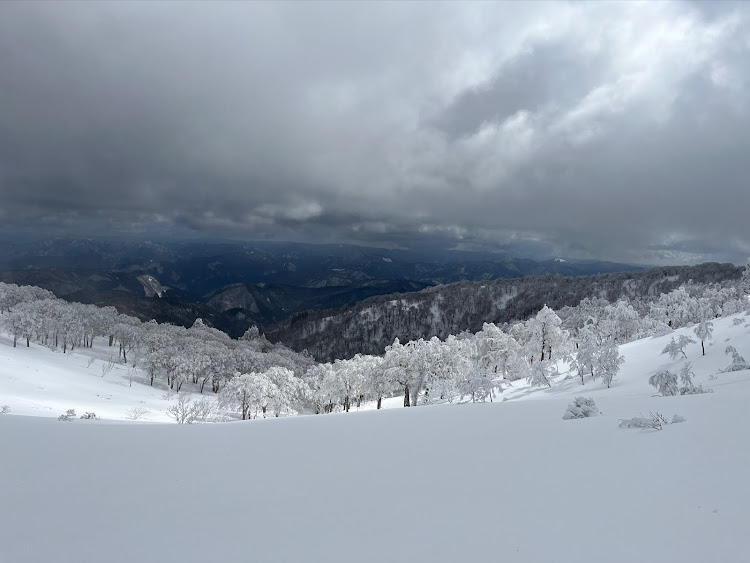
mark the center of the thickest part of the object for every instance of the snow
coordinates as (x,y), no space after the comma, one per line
(37,381)
(503,300)
(643,358)
(503,481)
